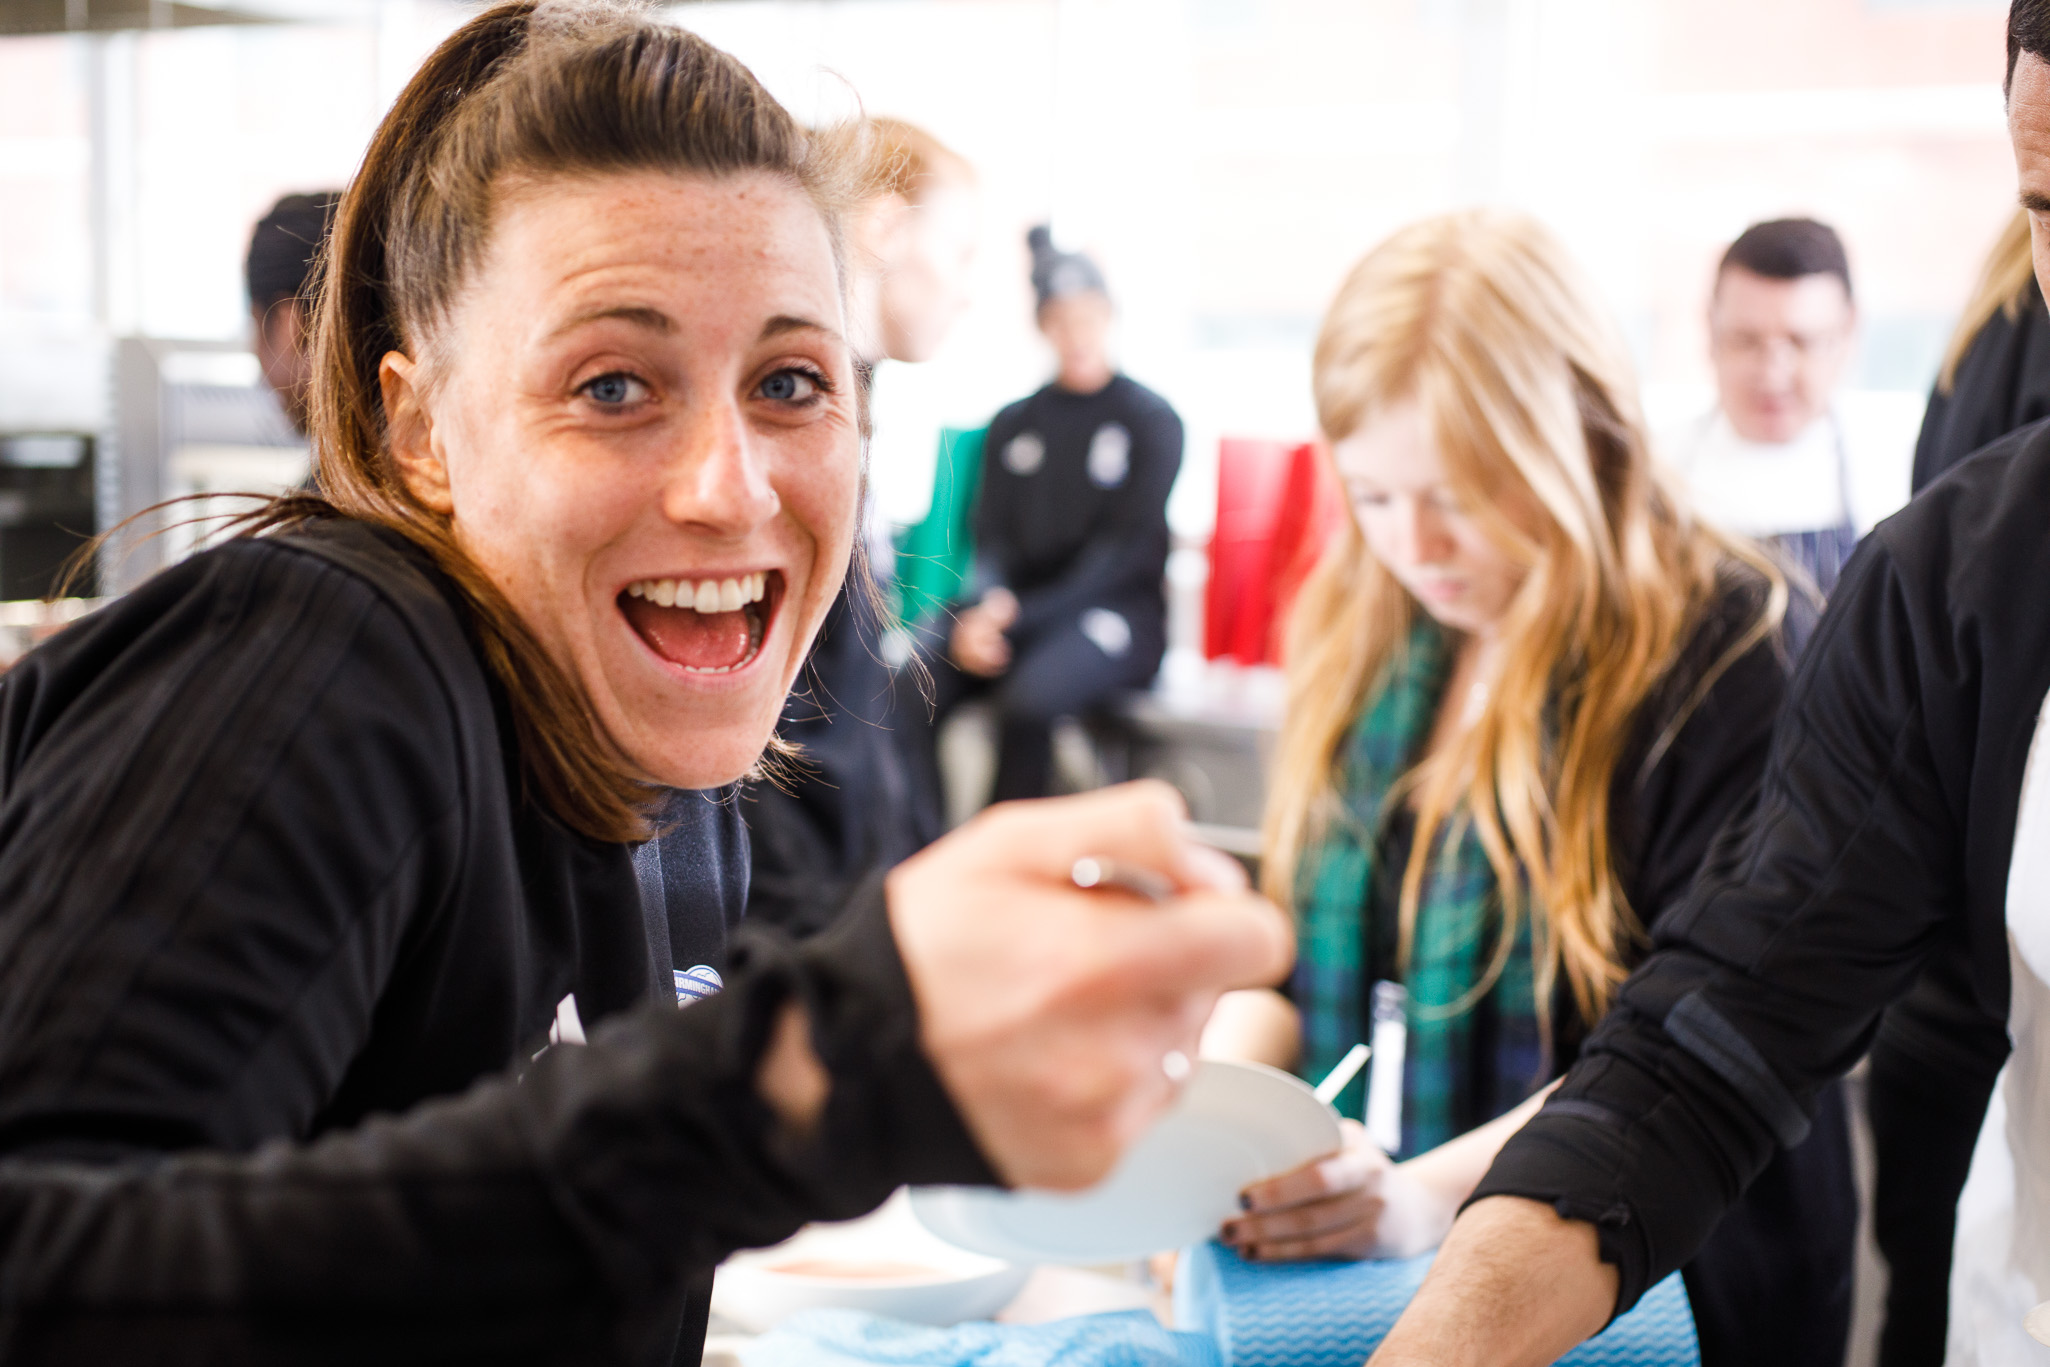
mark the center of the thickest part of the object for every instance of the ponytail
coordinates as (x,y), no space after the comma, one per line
(539,87)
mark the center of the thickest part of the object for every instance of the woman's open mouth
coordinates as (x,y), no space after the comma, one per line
(705,626)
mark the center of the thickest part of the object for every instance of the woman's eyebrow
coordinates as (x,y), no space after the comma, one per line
(640,315)
(785,322)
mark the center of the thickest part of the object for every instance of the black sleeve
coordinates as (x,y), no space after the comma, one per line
(228,799)
(549,1219)
(1810,915)
(1129,549)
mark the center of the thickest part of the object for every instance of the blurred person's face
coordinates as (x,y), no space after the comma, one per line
(641,421)
(1416,524)
(929,265)
(2028,127)
(282,350)
(1779,348)
(1077,327)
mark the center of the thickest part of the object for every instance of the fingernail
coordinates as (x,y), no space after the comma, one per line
(1245,1201)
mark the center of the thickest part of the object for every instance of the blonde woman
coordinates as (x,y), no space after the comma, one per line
(1526,689)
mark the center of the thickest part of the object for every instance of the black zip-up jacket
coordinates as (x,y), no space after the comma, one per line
(1072,511)
(1882,836)
(278,927)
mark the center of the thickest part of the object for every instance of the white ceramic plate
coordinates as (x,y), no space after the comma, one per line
(886,1263)
(1235,1123)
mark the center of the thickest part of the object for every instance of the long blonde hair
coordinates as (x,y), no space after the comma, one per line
(2008,269)
(1482,318)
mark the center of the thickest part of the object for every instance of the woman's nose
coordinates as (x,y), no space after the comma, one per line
(1429,542)
(721,483)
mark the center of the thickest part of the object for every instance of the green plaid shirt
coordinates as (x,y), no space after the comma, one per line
(1471,1054)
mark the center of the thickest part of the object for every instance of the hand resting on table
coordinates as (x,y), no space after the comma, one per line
(1356,1203)
(1359,1203)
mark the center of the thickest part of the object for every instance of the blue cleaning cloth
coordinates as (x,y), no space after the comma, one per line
(1335,1314)
(853,1338)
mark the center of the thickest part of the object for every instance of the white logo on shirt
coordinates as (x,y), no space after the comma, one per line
(568,1026)
(1025,454)
(696,983)
(1110,632)
(1110,455)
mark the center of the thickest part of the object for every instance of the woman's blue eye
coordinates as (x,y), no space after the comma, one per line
(614,390)
(789,386)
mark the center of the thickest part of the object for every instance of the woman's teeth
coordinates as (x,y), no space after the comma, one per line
(703,595)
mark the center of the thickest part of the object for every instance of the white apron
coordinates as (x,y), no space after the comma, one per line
(2001,1264)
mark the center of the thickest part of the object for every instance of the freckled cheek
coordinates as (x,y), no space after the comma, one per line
(821,494)
(538,523)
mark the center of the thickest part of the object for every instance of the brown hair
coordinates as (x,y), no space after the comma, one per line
(555,88)
(1484,320)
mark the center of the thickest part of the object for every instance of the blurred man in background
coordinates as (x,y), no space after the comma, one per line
(280,270)
(1771,460)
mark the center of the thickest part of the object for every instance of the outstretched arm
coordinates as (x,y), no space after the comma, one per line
(982,1019)
(1514,1286)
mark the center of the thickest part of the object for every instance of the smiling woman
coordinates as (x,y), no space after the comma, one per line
(664,277)
(343,818)
(664,349)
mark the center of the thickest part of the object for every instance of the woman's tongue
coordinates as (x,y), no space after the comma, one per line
(683,636)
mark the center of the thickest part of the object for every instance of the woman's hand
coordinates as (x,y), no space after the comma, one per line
(1356,1203)
(978,644)
(1049,1011)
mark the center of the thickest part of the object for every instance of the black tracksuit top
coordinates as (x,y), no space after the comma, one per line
(1881,838)
(268,873)
(1072,511)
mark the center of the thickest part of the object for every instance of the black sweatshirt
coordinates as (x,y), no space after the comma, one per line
(1072,510)
(268,873)
(1882,837)
(1936,1055)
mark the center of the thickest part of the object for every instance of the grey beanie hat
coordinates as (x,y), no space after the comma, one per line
(1056,274)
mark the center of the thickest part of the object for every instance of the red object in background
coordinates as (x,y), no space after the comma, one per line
(1277,507)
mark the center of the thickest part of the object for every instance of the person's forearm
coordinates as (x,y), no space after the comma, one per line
(1513,1286)
(1259,1025)
(517,1216)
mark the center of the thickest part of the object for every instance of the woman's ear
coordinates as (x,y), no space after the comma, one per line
(409,432)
